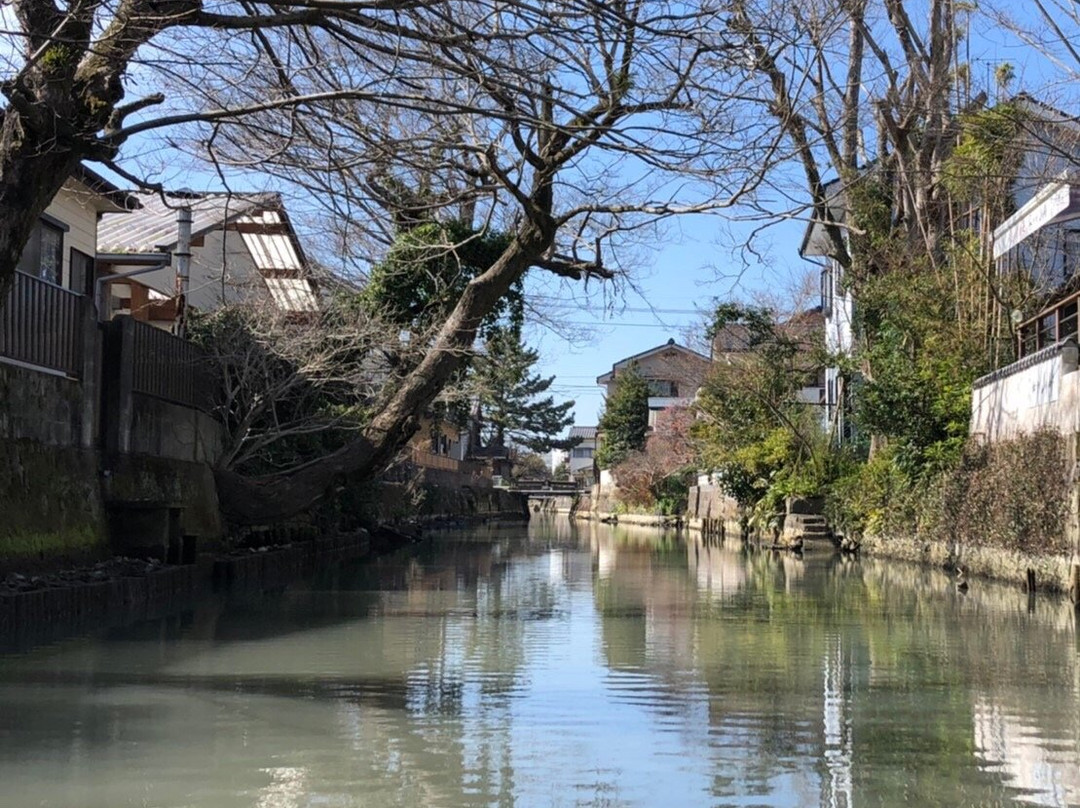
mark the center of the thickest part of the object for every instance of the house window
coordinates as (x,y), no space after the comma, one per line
(661,387)
(1048,329)
(81,279)
(43,256)
(826,292)
(581,452)
(1028,340)
(1067,324)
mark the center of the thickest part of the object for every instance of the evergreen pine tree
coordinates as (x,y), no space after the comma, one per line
(512,405)
(625,419)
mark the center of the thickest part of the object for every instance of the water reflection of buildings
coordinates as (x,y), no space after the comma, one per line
(837,725)
(1012,745)
(719,569)
(578,666)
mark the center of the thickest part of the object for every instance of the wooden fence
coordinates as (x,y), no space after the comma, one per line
(169,367)
(430,460)
(42,324)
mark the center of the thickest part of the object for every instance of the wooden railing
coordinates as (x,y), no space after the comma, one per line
(1053,324)
(169,367)
(41,324)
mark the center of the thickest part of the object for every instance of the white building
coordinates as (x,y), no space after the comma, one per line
(243,249)
(838,310)
(581,456)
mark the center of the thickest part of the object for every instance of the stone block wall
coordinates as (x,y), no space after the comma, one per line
(39,406)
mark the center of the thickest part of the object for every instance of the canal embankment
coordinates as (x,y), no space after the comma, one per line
(51,595)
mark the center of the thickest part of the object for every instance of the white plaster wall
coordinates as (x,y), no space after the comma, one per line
(839,337)
(1039,395)
(582,463)
(77,208)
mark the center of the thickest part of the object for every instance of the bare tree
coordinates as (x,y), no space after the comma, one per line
(289,385)
(568,126)
(856,92)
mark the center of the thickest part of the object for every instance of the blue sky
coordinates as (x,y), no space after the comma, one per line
(677,283)
(675,280)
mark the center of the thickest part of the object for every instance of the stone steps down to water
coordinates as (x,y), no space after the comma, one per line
(800,528)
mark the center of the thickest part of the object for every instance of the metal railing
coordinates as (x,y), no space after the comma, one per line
(168,367)
(41,324)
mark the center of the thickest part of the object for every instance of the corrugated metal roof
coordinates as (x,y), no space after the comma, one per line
(584,432)
(153,226)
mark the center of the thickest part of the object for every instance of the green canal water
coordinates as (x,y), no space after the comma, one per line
(562,666)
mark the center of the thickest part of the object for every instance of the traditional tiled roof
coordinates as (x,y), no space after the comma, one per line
(583,432)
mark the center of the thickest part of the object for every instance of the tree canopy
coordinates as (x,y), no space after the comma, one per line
(426,271)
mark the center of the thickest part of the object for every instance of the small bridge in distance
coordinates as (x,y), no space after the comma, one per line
(557,495)
(544,487)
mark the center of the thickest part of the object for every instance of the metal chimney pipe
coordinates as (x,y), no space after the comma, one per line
(182,254)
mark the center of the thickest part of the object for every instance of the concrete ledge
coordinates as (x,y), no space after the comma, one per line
(640,519)
(1010,566)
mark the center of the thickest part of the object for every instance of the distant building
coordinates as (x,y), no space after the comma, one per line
(806,328)
(581,456)
(674,374)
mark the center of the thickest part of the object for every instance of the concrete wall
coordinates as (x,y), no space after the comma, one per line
(1041,391)
(162,429)
(50,502)
(64,499)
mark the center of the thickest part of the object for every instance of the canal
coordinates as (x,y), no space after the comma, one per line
(563,665)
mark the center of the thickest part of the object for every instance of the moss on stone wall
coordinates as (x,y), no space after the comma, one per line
(50,503)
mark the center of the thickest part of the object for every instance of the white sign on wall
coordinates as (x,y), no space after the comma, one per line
(1047,205)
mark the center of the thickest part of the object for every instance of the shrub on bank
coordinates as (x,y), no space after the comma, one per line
(1012,495)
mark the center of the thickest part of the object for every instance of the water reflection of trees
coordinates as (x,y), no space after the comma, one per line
(442,677)
(900,687)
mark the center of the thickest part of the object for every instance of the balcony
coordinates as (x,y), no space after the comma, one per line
(658,404)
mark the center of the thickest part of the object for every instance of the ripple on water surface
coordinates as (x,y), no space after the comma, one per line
(577,666)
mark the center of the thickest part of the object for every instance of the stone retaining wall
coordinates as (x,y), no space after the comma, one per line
(1051,572)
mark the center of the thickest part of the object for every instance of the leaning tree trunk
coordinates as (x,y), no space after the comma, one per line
(29,178)
(247,500)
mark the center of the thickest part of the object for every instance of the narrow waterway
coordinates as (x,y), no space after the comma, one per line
(566,665)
